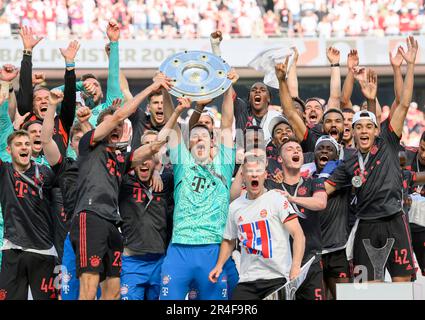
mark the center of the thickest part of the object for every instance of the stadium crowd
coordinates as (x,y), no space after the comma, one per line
(102,198)
(157,19)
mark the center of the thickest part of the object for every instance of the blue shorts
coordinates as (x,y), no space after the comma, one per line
(141,277)
(70,286)
(191,264)
(232,281)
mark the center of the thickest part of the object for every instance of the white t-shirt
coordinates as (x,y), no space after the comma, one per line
(264,241)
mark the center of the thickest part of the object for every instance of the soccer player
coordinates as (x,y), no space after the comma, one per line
(308,196)
(202,187)
(416,163)
(374,170)
(94,230)
(28,250)
(333,118)
(347,137)
(36,101)
(281,131)
(66,172)
(147,225)
(262,220)
(257,112)
(334,219)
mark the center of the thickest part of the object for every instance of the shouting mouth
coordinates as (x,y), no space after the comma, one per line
(364,140)
(347,132)
(257,99)
(296,158)
(255,184)
(323,160)
(334,133)
(24,156)
(160,115)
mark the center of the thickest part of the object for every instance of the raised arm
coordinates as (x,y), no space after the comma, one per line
(335,87)
(50,148)
(396,63)
(83,117)
(6,128)
(126,110)
(124,87)
(167,100)
(292,75)
(25,93)
(228,112)
(397,121)
(171,128)
(67,112)
(196,114)
(7,75)
(347,88)
(289,110)
(113,85)
(369,89)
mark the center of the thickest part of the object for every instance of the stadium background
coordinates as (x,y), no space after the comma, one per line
(153,29)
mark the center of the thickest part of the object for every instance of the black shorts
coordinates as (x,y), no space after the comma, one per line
(20,269)
(257,290)
(336,265)
(400,261)
(97,244)
(418,242)
(312,288)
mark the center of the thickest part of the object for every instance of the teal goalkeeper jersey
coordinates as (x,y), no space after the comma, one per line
(201,196)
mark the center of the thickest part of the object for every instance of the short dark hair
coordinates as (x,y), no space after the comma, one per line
(290,139)
(109,111)
(333,110)
(348,110)
(300,102)
(154,94)
(15,134)
(26,125)
(86,76)
(317,99)
(200,125)
(267,87)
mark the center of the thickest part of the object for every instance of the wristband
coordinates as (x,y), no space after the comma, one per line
(197,111)
(335,65)
(27,52)
(70,65)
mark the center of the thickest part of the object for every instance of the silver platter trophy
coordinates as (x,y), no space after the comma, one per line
(198,75)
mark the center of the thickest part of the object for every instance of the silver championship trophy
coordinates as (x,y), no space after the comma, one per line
(198,75)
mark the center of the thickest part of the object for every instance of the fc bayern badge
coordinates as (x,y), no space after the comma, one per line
(357,181)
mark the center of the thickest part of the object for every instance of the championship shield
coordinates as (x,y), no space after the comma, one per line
(197,75)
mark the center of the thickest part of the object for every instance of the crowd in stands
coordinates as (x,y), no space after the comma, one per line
(158,19)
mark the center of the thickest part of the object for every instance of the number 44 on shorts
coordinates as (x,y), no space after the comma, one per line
(47,285)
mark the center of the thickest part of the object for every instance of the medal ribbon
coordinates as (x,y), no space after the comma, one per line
(362,163)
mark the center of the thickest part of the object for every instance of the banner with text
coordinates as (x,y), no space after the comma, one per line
(237,52)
